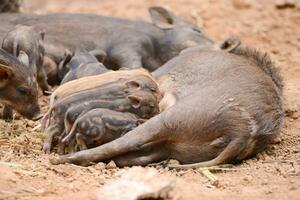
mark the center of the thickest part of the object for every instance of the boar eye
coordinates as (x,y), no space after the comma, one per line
(22,90)
(197,30)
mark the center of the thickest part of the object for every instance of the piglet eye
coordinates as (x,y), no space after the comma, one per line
(23,90)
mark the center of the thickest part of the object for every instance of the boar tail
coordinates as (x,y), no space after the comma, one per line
(154,130)
(71,134)
(263,61)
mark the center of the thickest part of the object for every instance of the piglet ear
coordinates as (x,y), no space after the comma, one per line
(42,33)
(23,58)
(6,73)
(99,54)
(134,101)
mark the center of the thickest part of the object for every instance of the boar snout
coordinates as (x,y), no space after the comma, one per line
(32,112)
(37,116)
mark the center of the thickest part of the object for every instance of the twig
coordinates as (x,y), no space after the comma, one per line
(36,127)
(211,177)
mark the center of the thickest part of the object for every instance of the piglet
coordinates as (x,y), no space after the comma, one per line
(26,43)
(19,89)
(83,64)
(99,126)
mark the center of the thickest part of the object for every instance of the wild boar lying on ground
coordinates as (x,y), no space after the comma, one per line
(18,87)
(129,44)
(220,107)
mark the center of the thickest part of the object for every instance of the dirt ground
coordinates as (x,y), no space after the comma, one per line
(25,172)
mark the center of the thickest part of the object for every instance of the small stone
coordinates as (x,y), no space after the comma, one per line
(241,4)
(100,166)
(111,165)
(293,188)
(247,178)
(284,4)
(174,162)
(276,140)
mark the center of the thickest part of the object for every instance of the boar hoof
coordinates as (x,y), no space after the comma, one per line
(57,161)
(67,159)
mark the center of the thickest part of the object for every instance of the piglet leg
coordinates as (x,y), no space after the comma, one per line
(153,130)
(7,113)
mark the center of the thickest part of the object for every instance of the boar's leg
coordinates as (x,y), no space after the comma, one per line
(149,154)
(154,130)
(230,152)
(126,58)
(7,113)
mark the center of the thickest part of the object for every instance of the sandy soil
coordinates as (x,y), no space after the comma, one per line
(25,172)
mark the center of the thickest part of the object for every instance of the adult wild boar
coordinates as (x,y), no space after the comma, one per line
(129,44)
(220,107)
(18,87)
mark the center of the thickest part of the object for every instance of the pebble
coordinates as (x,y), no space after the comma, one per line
(111,165)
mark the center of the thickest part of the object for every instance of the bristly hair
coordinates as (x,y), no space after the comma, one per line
(263,61)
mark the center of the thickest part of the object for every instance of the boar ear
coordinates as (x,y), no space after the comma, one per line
(230,43)
(141,121)
(5,73)
(134,100)
(161,17)
(23,58)
(99,54)
(62,66)
(67,57)
(42,33)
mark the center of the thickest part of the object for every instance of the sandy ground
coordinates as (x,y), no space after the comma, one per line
(25,172)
